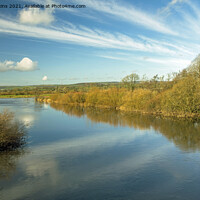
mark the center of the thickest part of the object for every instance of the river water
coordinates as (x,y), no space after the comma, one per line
(91,154)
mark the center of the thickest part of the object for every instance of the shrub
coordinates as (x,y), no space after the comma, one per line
(139,99)
(12,133)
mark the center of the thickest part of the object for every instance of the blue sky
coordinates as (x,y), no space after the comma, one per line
(105,41)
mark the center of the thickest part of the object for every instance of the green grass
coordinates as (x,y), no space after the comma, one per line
(21,96)
(16,96)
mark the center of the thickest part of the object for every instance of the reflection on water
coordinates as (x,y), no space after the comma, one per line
(87,154)
(8,162)
(184,134)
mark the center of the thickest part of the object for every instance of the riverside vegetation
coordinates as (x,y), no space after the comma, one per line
(177,95)
(12,133)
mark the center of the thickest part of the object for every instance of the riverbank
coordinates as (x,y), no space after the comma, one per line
(22,96)
(121,103)
(16,96)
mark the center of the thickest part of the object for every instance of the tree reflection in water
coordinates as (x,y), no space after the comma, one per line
(184,134)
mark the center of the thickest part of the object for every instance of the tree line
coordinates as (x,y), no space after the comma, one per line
(176,95)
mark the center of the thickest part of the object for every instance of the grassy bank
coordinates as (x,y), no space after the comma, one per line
(12,133)
(22,96)
(16,96)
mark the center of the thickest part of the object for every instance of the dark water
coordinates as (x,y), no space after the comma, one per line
(88,154)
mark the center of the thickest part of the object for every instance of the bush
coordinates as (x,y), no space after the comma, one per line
(12,133)
(139,99)
(183,97)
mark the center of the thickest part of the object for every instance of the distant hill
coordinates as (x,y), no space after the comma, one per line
(53,86)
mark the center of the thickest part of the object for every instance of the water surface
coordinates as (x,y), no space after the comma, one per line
(75,153)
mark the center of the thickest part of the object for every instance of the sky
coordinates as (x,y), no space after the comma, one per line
(102,40)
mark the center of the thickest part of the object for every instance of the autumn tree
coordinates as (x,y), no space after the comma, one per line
(131,80)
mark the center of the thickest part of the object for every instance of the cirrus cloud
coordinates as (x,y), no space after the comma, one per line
(24,65)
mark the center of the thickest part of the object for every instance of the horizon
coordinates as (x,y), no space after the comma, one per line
(60,84)
(98,42)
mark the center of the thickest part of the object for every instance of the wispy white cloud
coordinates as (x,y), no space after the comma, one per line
(119,11)
(111,57)
(130,14)
(164,64)
(186,16)
(178,47)
(166,10)
(24,65)
(190,20)
(169,61)
(83,36)
(168,64)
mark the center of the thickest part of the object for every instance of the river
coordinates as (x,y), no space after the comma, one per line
(90,154)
